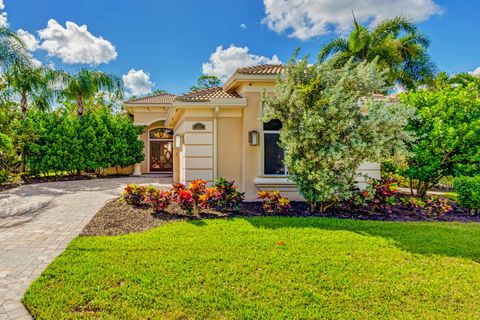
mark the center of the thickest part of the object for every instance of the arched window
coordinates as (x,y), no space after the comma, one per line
(161,133)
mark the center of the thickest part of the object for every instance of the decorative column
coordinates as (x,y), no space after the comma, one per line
(137,171)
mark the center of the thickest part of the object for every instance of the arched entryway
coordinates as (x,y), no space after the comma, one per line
(160,146)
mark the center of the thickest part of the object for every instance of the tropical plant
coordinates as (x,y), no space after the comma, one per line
(86,84)
(133,194)
(447,126)
(397,45)
(273,202)
(223,196)
(32,83)
(12,49)
(159,199)
(331,123)
(206,82)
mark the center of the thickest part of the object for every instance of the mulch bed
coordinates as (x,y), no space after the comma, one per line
(117,218)
(34,180)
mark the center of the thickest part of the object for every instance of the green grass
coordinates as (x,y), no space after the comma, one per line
(327,268)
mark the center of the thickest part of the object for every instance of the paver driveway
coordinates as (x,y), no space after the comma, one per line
(38,221)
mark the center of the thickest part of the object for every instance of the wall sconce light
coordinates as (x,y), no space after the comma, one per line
(178,141)
(253,138)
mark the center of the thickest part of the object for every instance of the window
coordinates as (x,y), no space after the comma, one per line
(161,133)
(273,154)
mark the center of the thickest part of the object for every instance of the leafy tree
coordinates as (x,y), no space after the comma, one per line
(447,124)
(331,123)
(85,84)
(206,82)
(396,43)
(12,49)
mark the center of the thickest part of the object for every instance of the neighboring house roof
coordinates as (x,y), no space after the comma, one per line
(261,69)
(161,98)
(207,95)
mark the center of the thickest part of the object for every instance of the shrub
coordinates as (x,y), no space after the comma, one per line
(468,190)
(331,123)
(65,143)
(273,202)
(197,188)
(159,199)
(133,194)
(437,207)
(385,194)
(222,196)
(447,124)
(184,199)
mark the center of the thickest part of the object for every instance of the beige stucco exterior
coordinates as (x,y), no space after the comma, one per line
(211,138)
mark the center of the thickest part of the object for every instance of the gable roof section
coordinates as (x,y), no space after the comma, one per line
(161,98)
(261,69)
(207,95)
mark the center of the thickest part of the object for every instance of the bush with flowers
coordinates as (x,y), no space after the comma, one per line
(273,202)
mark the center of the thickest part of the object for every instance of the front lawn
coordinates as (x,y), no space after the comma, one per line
(269,268)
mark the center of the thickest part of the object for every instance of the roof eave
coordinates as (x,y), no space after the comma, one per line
(238,78)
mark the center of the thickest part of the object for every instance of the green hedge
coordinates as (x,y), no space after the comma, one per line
(96,141)
(468,189)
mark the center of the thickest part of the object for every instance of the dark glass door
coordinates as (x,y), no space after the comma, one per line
(161,156)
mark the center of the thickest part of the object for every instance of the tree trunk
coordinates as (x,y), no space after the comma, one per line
(24,102)
(422,188)
(411,187)
(80,106)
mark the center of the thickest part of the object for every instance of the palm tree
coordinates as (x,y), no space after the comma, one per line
(395,43)
(85,84)
(12,49)
(33,84)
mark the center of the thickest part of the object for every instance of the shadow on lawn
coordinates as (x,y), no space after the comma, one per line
(448,239)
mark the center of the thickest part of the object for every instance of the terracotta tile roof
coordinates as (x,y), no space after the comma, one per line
(161,98)
(207,95)
(262,69)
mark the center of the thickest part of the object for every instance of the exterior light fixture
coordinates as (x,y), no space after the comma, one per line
(178,141)
(253,138)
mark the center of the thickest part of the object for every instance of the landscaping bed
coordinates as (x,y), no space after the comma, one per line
(117,218)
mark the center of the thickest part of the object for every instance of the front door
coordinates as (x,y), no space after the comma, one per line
(161,156)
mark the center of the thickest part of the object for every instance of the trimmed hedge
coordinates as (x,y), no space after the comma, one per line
(96,141)
(468,189)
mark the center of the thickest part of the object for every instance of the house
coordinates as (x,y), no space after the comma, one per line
(218,132)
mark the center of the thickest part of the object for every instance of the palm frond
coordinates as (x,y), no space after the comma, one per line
(333,47)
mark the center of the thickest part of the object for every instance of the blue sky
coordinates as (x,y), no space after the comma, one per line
(168,44)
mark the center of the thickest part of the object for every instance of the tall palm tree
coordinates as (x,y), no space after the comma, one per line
(12,49)
(85,84)
(32,84)
(395,43)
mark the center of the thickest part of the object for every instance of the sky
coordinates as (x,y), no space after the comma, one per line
(168,44)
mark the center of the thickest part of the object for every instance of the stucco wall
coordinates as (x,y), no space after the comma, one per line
(229,164)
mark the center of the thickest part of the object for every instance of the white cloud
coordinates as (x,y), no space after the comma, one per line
(75,44)
(243,26)
(137,82)
(31,42)
(224,62)
(304,19)
(3,19)
(475,72)
(2,5)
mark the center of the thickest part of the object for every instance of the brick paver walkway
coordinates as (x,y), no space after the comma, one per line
(36,224)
